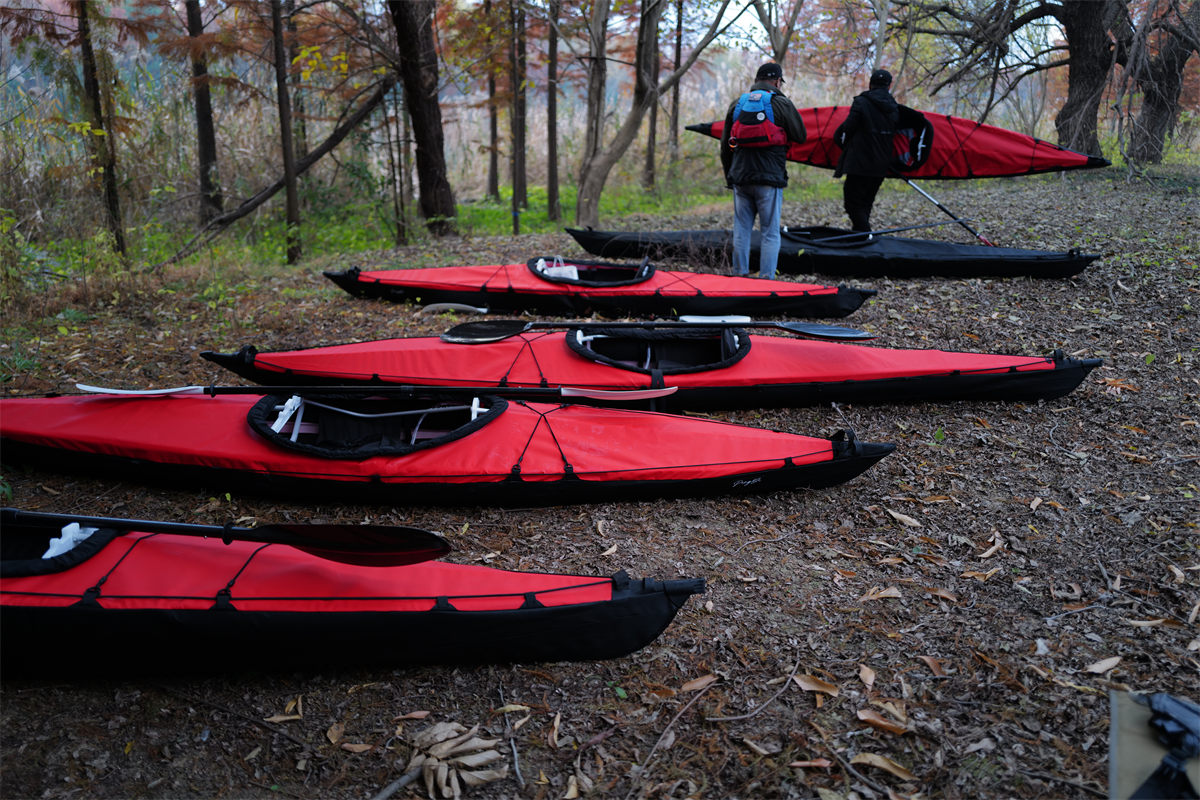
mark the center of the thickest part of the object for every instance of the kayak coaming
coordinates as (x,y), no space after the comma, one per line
(712,369)
(246,605)
(654,292)
(809,250)
(532,453)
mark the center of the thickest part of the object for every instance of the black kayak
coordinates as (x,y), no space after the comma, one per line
(833,251)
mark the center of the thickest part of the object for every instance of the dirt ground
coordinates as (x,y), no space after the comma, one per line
(947,625)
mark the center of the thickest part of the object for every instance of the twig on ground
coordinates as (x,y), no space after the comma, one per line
(1047,777)
(846,764)
(275,729)
(398,784)
(770,700)
(661,736)
(512,742)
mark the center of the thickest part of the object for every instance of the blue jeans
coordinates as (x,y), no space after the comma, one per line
(749,201)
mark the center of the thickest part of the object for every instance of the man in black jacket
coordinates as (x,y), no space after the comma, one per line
(754,145)
(868,155)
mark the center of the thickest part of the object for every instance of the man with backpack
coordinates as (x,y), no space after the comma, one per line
(868,152)
(754,145)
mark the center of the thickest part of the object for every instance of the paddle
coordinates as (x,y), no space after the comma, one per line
(632,395)
(363,545)
(955,217)
(861,234)
(495,330)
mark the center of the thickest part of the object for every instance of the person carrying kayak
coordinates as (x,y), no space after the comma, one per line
(754,145)
(867,148)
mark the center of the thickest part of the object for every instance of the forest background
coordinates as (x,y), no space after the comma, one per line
(135,133)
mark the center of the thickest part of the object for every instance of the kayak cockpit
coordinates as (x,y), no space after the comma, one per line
(667,352)
(357,427)
(590,273)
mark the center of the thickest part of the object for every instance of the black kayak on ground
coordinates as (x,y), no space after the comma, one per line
(833,251)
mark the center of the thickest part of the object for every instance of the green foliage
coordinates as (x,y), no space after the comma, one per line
(15,360)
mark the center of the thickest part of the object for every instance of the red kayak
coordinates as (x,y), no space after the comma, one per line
(145,601)
(938,146)
(376,445)
(712,367)
(580,288)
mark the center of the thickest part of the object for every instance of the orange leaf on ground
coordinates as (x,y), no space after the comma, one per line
(696,684)
(877,720)
(884,763)
(811,683)
(934,665)
(892,592)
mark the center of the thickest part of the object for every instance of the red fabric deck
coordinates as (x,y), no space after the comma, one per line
(961,148)
(532,358)
(519,278)
(541,440)
(163,571)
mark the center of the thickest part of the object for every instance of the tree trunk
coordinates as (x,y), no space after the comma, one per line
(1091,61)
(593,172)
(104,153)
(520,180)
(598,160)
(1161,81)
(493,175)
(648,171)
(395,171)
(211,199)
(779,31)
(675,91)
(285,133)
(553,205)
(419,72)
(300,124)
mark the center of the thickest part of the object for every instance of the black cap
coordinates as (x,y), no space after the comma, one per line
(769,72)
(881,77)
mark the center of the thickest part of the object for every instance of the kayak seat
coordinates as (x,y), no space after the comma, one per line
(660,351)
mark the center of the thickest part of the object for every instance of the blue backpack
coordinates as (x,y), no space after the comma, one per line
(754,122)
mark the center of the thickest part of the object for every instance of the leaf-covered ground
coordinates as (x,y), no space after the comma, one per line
(947,625)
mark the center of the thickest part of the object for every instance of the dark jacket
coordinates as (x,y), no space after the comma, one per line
(866,137)
(762,166)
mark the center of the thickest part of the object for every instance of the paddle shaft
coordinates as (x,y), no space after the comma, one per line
(497,330)
(371,545)
(954,216)
(890,230)
(403,391)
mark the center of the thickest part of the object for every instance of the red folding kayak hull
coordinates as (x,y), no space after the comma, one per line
(709,368)
(935,146)
(513,453)
(580,288)
(157,602)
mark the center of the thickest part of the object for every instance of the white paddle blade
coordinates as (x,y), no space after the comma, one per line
(83,387)
(618,394)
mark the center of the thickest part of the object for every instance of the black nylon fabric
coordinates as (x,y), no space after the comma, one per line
(675,351)
(597,273)
(344,437)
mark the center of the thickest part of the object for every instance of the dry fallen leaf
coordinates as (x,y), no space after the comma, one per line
(811,683)
(696,684)
(980,576)
(884,763)
(877,720)
(903,519)
(511,707)
(283,718)
(356,748)
(1104,665)
(552,736)
(411,715)
(335,732)
(942,593)
(866,675)
(934,665)
(819,763)
(609,551)
(875,593)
